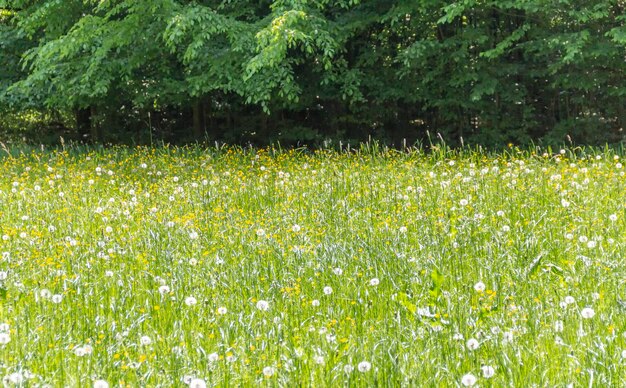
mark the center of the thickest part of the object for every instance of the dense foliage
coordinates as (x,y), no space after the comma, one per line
(308,70)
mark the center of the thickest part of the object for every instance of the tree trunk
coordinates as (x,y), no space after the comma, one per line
(209,124)
(83,122)
(94,124)
(263,127)
(199,127)
(87,125)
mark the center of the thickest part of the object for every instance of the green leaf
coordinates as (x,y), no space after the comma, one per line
(404,301)
(437,282)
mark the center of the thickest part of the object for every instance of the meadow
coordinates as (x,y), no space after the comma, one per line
(146,267)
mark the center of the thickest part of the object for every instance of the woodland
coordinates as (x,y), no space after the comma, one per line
(312,71)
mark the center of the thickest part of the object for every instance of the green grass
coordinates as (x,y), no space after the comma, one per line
(405,241)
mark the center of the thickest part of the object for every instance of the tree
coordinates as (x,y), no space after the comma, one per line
(238,70)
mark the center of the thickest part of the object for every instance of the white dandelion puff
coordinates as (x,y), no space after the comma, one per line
(364,366)
(472,344)
(558,326)
(587,313)
(468,380)
(100,384)
(16,378)
(197,383)
(164,290)
(488,371)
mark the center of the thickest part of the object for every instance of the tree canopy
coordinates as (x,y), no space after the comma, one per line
(307,70)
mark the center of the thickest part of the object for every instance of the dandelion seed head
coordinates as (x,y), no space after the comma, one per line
(100,384)
(587,313)
(488,371)
(145,340)
(197,383)
(558,326)
(5,338)
(472,344)
(262,305)
(364,366)
(164,289)
(16,378)
(468,380)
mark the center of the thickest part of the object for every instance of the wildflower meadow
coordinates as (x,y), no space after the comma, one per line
(155,267)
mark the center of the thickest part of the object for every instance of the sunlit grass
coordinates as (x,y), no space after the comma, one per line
(148,267)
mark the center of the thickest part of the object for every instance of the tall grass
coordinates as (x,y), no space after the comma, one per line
(226,266)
